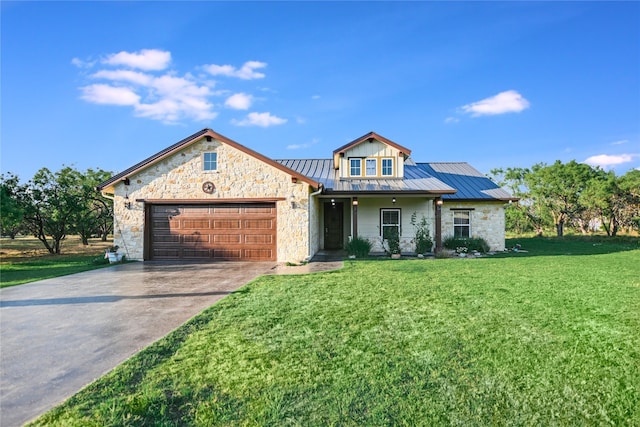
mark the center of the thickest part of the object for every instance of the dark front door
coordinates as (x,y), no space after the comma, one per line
(333,217)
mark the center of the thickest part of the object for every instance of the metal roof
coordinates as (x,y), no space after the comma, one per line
(469,182)
(416,180)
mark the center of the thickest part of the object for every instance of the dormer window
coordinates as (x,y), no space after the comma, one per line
(355,167)
(387,167)
(371,167)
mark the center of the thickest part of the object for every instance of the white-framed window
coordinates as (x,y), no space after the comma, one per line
(210,161)
(462,224)
(371,167)
(355,167)
(387,167)
(389,220)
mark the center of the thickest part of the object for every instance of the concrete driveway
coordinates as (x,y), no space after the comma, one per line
(58,335)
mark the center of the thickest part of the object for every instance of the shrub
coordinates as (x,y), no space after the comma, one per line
(358,246)
(471,243)
(422,238)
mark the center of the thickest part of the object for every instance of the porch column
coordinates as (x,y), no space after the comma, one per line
(438,205)
(354,217)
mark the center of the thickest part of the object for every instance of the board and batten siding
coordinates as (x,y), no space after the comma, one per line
(373,149)
(369,219)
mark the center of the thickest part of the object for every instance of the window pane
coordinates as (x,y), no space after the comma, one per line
(390,217)
(371,167)
(355,167)
(387,167)
(210,161)
(461,217)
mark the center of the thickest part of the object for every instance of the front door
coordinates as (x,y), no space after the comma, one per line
(333,218)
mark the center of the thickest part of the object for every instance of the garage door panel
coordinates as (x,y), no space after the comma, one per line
(215,232)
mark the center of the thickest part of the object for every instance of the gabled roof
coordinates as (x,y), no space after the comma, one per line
(191,140)
(416,180)
(371,135)
(469,182)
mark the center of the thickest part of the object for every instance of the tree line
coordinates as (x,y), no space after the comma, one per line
(53,205)
(573,195)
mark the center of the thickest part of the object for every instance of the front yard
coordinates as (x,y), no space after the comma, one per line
(520,340)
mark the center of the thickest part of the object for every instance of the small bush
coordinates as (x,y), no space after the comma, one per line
(358,246)
(472,244)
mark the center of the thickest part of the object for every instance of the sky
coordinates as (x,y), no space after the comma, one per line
(495,84)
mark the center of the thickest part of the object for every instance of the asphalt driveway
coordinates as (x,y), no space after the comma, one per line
(58,335)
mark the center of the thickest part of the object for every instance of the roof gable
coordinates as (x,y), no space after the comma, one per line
(198,136)
(371,136)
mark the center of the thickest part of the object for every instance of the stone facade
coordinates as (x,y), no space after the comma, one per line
(487,221)
(238,176)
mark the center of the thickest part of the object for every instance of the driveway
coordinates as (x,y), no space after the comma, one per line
(58,335)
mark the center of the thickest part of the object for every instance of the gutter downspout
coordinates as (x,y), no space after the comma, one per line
(315,193)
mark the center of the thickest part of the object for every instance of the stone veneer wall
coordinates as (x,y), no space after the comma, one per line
(487,221)
(239,175)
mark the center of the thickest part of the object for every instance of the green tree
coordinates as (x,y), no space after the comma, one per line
(558,189)
(11,210)
(95,213)
(629,185)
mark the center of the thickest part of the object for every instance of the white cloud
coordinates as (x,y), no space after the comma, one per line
(315,97)
(259,119)
(505,102)
(313,142)
(609,160)
(246,72)
(622,141)
(124,75)
(239,101)
(451,120)
(112,95)
(142,80)
(146,59)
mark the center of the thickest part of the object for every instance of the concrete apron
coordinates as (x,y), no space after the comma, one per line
(58,335)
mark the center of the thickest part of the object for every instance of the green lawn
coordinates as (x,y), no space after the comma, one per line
(525,339)
(24,259)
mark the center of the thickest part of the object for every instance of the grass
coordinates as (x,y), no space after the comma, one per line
(518,340)
(24,259)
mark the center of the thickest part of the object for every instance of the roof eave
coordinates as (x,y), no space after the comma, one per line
(150,161)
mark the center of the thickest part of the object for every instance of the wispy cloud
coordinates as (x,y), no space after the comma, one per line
(143,80)
(246,72)
(259,119)
(509,101)
(239,101)
(609,160)
(313,142)
(451,120)
(146,59)
(620,142)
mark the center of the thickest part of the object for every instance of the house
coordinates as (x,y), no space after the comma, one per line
(208,197)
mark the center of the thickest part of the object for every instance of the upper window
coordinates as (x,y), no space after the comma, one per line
(371,167)
(355,167)
(462,224)
(389,220)
(210,161)
(387,167)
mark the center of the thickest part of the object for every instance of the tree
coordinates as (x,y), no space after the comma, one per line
(11,211)
(629,185)
(95,215)
(558,188)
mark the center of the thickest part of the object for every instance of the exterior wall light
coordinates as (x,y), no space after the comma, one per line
(355,201)
(393,200)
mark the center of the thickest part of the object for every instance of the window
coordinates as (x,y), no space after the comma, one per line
(371,167)
(210,161)
(389,220)
(387,167)
(462,224)
(355,167)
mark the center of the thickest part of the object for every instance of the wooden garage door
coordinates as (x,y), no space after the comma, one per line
(241,232)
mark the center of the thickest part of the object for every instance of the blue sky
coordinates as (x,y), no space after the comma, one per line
(107,84)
